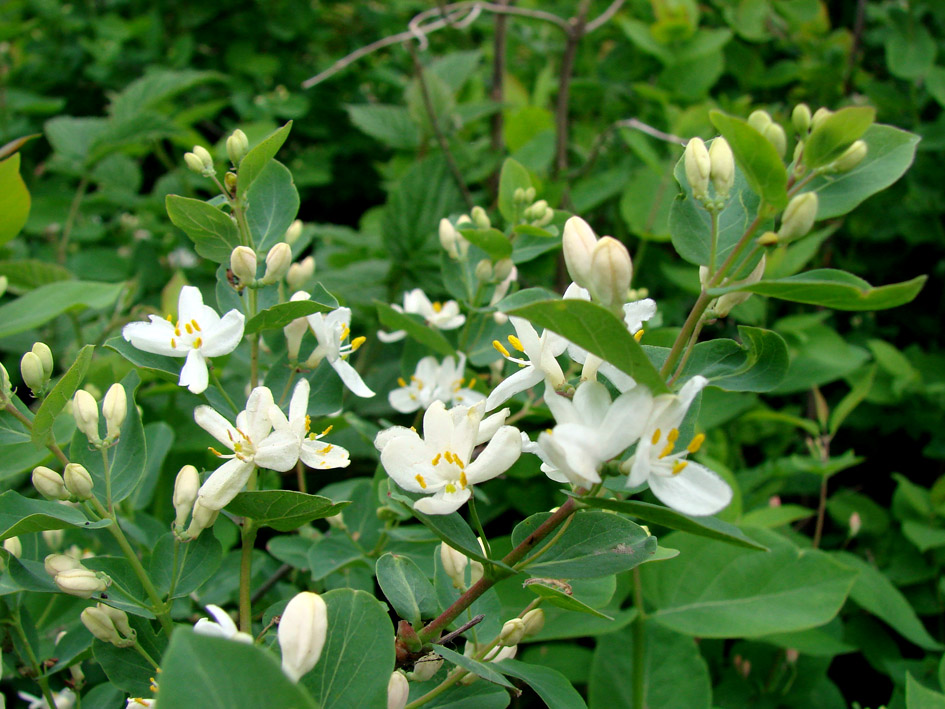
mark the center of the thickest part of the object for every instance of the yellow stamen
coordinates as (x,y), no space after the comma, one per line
(501,348)
(308,423)
(169,318)
(327,431)
(177,331)
(448,456)
(400,380)
(656,437)
(345,331)
(437,306)
(357,342)
(679,465)
(326,450)
(436,460)
(667,450)
(458,462)
(673,435)
(421,481)
(217,453)
(638,335)
(188,328)
(696,443)
(548,431)
(516,343)
(472,382)
(463,481)
(198,342)
(196,326)
(173,343)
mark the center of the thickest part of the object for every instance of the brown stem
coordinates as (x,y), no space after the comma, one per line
(858,25)
(496,91)
(435,124)
(575,32)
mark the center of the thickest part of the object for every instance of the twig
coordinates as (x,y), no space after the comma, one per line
(858,26)
(650,130)
(574,33)
(496,91)
(608,132)
(270,582)
(604,17)
(435,124)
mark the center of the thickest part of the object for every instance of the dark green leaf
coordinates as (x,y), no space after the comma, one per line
(759,364)
(836,133)
(23,515)
(214,233)
(127,669)
(14,199)
(918,696)
(40,306)
(283,510)
(756,156)
(560,599)
(514,176)
(492,241)
(481,669)
(278,316)
(552,686)
(406,587)
(168,367)
(258,158)
(414,326)
(391,125)
(196,562)
(273,203)
(57,399)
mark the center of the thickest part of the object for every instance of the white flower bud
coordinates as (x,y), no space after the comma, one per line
(6,388)
(518,195)
(294,231)
(480,218)
(484,270)
(115,409)
(85,411)
(206,160)
(14,546)
(611,272)
(41,350)
(851,157)
(243,264)
(723,306)
(53,537)
(759,120)
(799,216)
(300,272)
(722,169)
(578,242)
(194,163)
(801,117)
(57,563)
(100,625)
(476,572)
(237,145)
(302,630)
(698,167)
(819,115)
(530,194)
(278,261)
(81,582)
(119,618)
(454,564)
(512,632)
(78,481)
(186,486)
(31,367)
(503,269)
(448,237)
(777,137)
(427,666)
(49,483)
(202,518)
(534,622)
(398,691)
(856,524)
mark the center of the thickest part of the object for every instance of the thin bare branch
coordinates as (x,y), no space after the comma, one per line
(650,130)
(604,17)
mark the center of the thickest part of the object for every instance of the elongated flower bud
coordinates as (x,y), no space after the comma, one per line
(426,666)
(398,691)
(299,273)
(55,564)
(85,411)
(31,368)
(611,272)
(302,632)
(759,120)
(800,117)
(14,546)
(237,145)
(119,618)
(722,169)
(723,306)
(186,486)
(448,236)
(819,115)
(851,157)
(243,264)
(799,216)
(78,481)
(278,261)
(202,518)
(100,625)
(206,160)
(534,622)
(777,137)
(454,564)
(484,271)
(512,632)
(41,350)
(578,242)
(53,537)
(80,582)
(49,483)
(115,409)
(698,167)
(6,388)
(193,163)
(480,218)
(294,231)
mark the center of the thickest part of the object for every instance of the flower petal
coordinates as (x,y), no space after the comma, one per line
(638,312)
(523,379)
(489,425)
(404,400)
(442,503)
(189,304)
(388,337)
(213,423)
(497,457)
(257,414)
(407,457)
(323,456)
(224,336)
(154,337)
(278,451)
(224,484)
(193,374)
(351,379)
(298,404)
(696,490)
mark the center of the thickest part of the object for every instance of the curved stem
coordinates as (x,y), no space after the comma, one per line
(477,525)
(41,678)
(639,644)
(219,385)
(70,220)
(145,655)
(248,540)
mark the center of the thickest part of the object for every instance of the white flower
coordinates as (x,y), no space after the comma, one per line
(442,316)
(590,431)
(681,484)
(252,427)
(198,333)
(224,627)
(439,463)
(64,700)
(138,702)
(541,363)
(432,381)
(292,440)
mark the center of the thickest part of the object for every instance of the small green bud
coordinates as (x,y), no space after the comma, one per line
(777,137)
(119,618)
(49,483)
(229,182)
(799,216)
(502,269)
(186,487)
(41,350)
(577,243)
(299,273)
(512,632)
(611,272)
(819,115)
(85,411)
(518,195)
(100,625)
(237,145)
(484,270)
(534,622)
(6,388)
(759,120)
(698,167)
(34,376)
(14,546)
(115,410)
(278,261)
(769,238)
(57,563)
(722,170)
(480,218)
(78,481)
(243,265)
(800,117)
(530,194)
(294,231)
(851,157)
(82,582)
(194,163)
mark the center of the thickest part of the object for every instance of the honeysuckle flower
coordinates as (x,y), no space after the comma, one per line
(442,316)
(222,626)
(438,465)
(252,427)
(541,363)
(681,484)
(292,439)
(198,333)
(432,381)
(591,429)
(64,699)
(302,632)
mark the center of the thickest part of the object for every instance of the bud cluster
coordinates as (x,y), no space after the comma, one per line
(715,165)
(109,625)
(186,487)
(200,161)
(114,410)
(74,485)
(806,124)
(602,266)
(73,578)
(454,564)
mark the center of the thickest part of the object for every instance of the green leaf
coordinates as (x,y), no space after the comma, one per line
(414,326)
(355,664)
(552,686)
(40,306)
(772,517)
(214,233)
(57,399)
(127,669)
(757,365)
(919,696)
(481,669)
(704,591)
(492,241)
(890,153)
(833,289)
(514,176)
(849,402)
(875,593)
(258,158)
(453,530)
(278,316)
(391,125)
(14,199)
(709,527)
(26,274)
(756,156)
(225,675)
(836,133)
(197,561)
(910,49)
(676,674)
(168,367)
(406,587)
(593,544)
(283,510)
(23,515)
(595,329)
(560,599)
(273,203)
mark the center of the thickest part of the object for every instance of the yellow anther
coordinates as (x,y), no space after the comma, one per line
(401,382)
(169,318)
(189,328)
(217,453)
(198,342)
(673,435)
(177,331)
(656,437)
(357,342)
(448,456)
(326,431)
(196,326)
(345,331)
(450,488)
(308,423)
(458,462)
(638,335)
(667,450)
(436,459)
(516,343)
(549,431)
(696,443)
(679,465)
(462,480)
(421,481)
(326,450)
(437,306)
(472,382)
(501,348)
(173,343)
